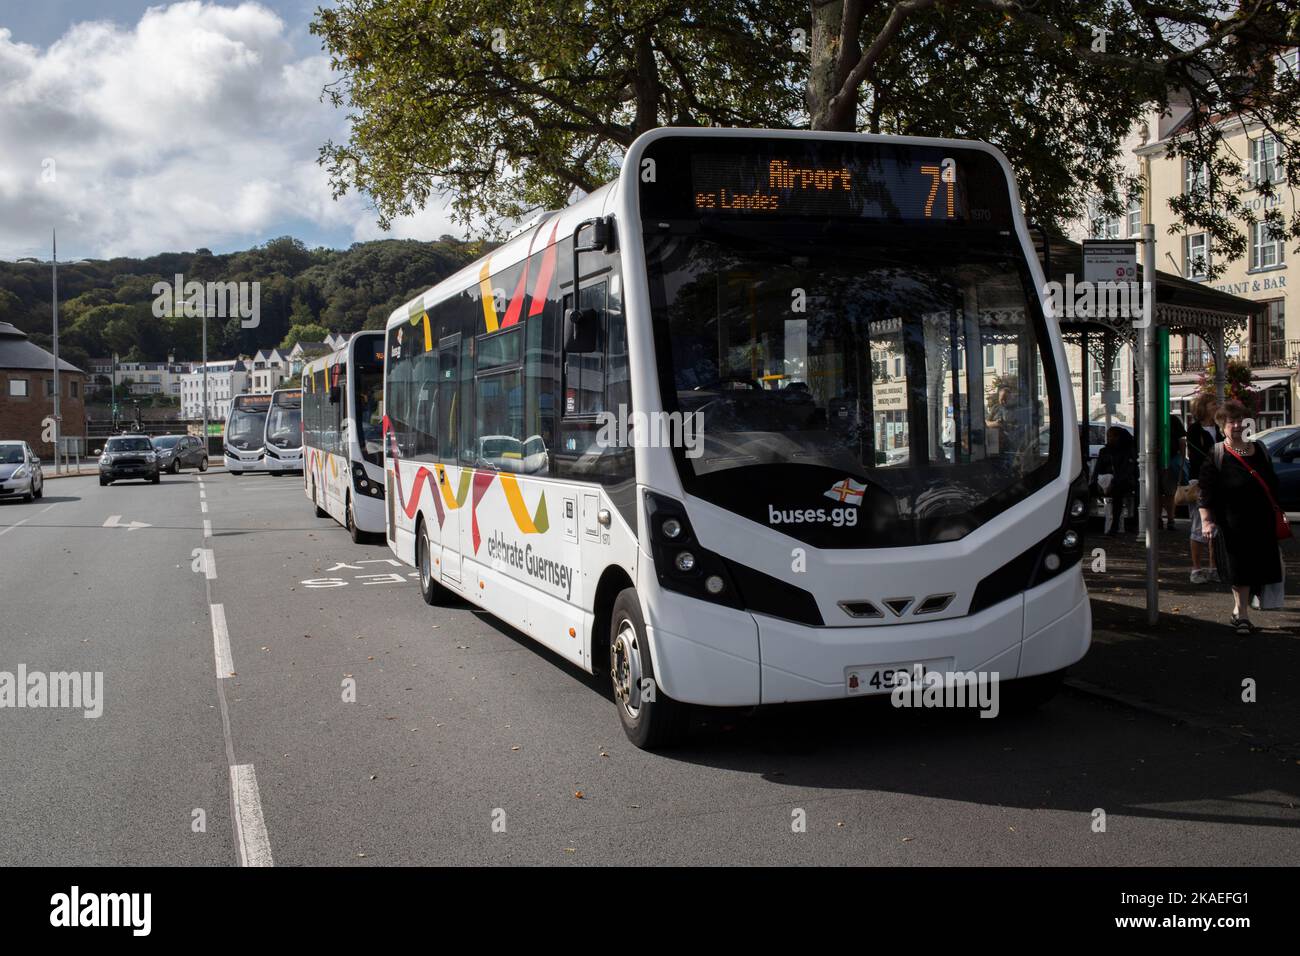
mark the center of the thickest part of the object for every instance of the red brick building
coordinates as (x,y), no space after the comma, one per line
(27,392)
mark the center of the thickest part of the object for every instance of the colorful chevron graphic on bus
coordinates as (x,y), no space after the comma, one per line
(469,480)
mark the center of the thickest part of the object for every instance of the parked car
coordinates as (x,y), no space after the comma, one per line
(20,471)
(1283,444)
(128,456)
(180,451)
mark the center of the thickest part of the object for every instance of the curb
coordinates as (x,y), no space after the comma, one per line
(47,476)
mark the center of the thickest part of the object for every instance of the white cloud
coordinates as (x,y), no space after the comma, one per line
(198,126)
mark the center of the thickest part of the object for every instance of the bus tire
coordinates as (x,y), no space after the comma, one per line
(433,593)
(350,522)
(236,473)
(650,724)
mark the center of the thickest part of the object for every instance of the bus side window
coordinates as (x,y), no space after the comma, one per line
(584,372)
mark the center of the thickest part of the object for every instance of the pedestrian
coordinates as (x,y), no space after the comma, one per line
(1202,435)
(1116,460)
(1172,476)
(1238,500)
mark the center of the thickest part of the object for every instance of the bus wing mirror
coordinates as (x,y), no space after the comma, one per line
(580,330)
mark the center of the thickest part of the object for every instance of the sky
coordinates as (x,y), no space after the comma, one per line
(137,128)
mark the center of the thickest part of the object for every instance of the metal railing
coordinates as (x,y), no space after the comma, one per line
(1280,353)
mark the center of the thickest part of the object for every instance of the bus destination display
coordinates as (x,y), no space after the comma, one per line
(753,185)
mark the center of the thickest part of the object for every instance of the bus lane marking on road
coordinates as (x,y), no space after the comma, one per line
(221,642)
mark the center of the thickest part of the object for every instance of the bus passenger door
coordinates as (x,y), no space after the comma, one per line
(448,432)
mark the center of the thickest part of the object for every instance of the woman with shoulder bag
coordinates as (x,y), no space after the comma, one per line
(1238,500)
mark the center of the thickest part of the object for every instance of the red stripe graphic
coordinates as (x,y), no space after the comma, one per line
(482,481)
(422,477)
(517,299)
(544,275)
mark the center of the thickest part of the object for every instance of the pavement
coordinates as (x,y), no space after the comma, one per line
(297,685)
(1191,664)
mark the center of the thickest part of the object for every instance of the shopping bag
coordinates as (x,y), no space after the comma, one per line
(1222,561)
(1186,495)
(1271,597)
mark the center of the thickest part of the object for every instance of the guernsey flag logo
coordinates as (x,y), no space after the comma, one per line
(847,492)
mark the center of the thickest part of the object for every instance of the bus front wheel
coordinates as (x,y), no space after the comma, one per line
(651,719)
(358,536)
(432,592)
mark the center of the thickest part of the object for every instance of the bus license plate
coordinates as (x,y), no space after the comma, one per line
(883,678)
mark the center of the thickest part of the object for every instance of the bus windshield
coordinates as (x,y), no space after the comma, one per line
(905,369)
(369,411)
(245,428)
(284,426)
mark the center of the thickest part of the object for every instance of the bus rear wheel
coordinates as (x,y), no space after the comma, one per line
(432,592)
(651,719)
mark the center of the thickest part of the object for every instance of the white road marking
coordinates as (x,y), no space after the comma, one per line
(221,641)
(203,507)
(16,524)
(207,528)
(115,521)
(202,494)
(209,564)
(25,520)
(251,838)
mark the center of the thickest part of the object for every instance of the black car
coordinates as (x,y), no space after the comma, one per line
(129,456)
(180,451)
(1283,444)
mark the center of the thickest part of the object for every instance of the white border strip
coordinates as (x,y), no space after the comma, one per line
(251,838)
(221,641)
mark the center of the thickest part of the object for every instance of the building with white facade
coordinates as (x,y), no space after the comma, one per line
(146,378)
(269,370)
(226,379)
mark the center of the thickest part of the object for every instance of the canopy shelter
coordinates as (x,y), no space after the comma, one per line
(1183,306)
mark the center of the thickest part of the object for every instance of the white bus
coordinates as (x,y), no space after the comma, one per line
(283,439)
(246,433)
(342,410)
(849,451)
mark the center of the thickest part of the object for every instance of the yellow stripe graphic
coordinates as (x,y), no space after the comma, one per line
(485,291)
(519,510)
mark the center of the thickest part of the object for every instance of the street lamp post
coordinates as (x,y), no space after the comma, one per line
(54,273)
(54,281)
(206,449)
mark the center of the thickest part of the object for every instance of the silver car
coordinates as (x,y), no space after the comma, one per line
(20,471)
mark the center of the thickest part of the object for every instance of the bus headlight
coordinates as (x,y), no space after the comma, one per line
(685,562)
(1070,540)
(672,529)
(1078,507)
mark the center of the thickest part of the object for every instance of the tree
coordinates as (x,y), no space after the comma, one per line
(1059,86)
(304,333)
(513,104)
(1056,85)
